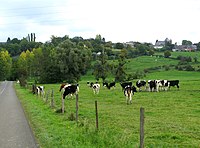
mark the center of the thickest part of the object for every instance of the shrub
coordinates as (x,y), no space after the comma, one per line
(166,67)
(189,68)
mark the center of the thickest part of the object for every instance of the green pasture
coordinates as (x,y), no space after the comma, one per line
(144,62)
(171,117)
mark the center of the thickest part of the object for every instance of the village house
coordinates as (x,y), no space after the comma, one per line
(184,48)
(161,44)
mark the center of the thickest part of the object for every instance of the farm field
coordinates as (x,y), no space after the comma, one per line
(171,117)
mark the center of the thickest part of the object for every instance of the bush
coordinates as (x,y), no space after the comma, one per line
(189,68)
(166,67)
(167,54)
(136,75)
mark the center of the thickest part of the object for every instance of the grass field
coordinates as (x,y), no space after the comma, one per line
(171,118)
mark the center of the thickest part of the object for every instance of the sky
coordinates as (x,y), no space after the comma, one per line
(115,20)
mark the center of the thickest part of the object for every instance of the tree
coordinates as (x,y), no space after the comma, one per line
(73,62)
(186,42)
(22,69)
(5,65)
(119,45)
(120,74)
(101,67)
(167,54)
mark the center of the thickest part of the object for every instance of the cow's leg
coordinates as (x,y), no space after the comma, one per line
(130,99)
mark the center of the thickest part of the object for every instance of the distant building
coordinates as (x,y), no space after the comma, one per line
(130,43)
(161,44)
(185,48)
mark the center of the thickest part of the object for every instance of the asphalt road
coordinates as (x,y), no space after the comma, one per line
(15,131)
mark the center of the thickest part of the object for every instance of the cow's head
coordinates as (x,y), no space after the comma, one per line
(62,86)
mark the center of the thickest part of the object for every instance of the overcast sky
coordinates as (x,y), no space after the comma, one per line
(115,20)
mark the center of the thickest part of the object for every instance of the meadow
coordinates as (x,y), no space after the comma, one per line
(171,117)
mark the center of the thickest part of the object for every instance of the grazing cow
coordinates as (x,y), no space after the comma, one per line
(129,92)
(105,84)
(153,85)
(124,84)
(70,90)
(96,88)
(140,84)
(163,84)
(173,83)
(40,91)
(109,86)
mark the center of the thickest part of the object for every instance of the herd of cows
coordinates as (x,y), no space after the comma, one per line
(127,87)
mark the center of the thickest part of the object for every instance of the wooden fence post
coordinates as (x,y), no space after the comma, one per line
(141,127)
(63,105)
(52,99)
(97,120)
(76,107)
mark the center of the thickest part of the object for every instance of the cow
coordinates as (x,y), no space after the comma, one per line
(129,92)
(105,84)
(140,84)
(109,86)
(96,88)
(70,90)
(124,84)
(40,91)
(153,85)
(173,83)
(163,85)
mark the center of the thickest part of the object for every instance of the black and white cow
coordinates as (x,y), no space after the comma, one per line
(124,84)
(173,83)
(70,90)
(140,84)
(109,86)
(40,91)
(163,85)
(153,85)
(96,88)
(105,84)
(129,92)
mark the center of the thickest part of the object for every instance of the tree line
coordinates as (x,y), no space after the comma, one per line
(66,59)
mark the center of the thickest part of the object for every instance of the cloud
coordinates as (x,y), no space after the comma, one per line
(116,20)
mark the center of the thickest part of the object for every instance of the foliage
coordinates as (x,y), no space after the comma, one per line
(120,74)
(186,42)
(101,67)
(73,62)
(5,65)
(167,54)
